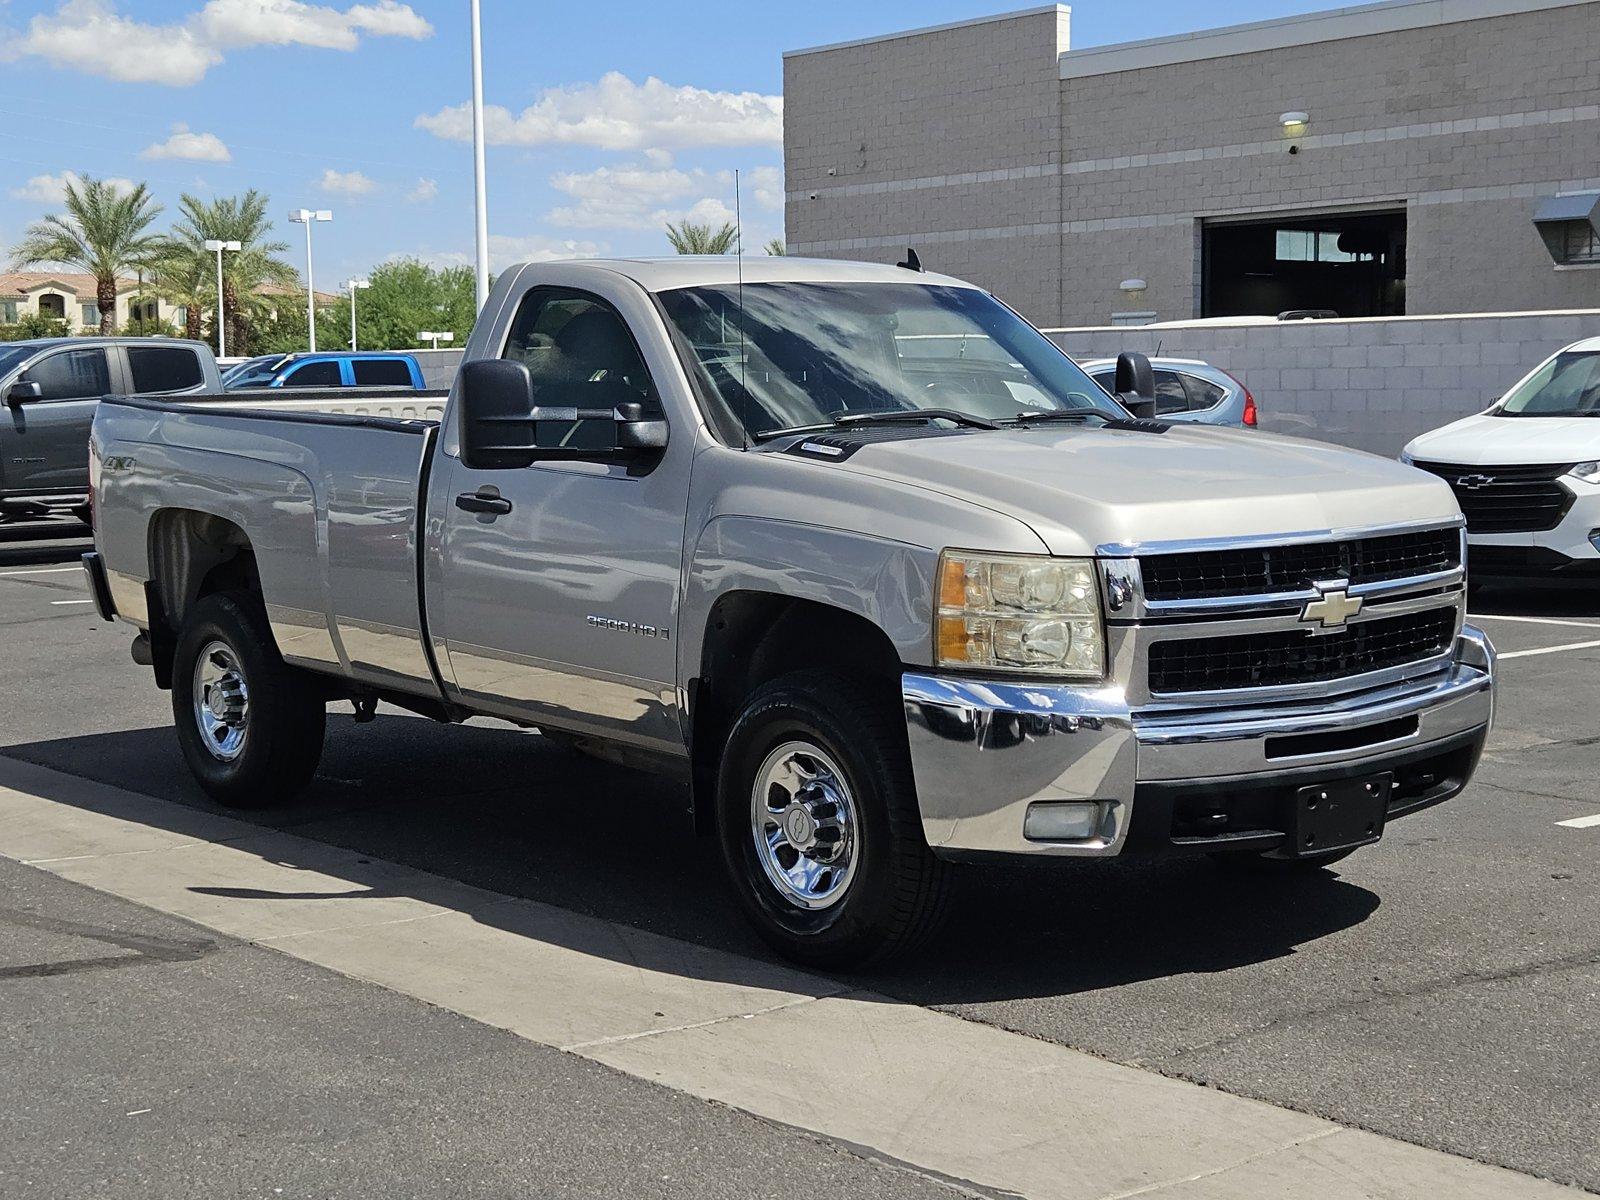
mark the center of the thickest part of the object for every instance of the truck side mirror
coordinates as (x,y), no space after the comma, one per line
(497,430)
(503,429)
(1136,384)
(22,391)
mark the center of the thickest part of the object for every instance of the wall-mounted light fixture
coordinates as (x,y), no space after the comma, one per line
(1294,122)
(1132,286)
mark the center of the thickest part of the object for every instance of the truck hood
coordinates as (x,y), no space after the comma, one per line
(1080,488)
(1484,441)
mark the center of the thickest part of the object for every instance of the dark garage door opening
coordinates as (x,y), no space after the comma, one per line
(1353,264)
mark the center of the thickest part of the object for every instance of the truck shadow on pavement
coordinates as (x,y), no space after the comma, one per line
(513,813)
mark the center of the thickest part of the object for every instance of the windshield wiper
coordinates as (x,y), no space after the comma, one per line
(1059,414)
(892,417)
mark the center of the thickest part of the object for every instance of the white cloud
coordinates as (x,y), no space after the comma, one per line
(184,143)
(52,189)
(618,114)
(505,250)
(636,196)
(423,191)
(237,23)
(346,183)
(94,37)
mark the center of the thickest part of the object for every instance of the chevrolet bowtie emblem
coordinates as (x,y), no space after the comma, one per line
(1331,609)
(1473,482)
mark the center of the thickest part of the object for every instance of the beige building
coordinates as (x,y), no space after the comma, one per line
(70,296)
(1409,157)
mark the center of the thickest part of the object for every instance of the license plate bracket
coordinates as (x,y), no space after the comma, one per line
(1339,815)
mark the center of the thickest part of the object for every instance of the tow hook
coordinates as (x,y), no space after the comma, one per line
(366,708)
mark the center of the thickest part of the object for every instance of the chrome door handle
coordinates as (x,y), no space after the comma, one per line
(483,502)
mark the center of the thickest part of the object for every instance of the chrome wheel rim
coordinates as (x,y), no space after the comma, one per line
(221,701)
(804,824)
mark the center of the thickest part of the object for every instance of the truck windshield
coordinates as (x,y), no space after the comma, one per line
(794,354)
(257,372)
(14,356)
(1566,386)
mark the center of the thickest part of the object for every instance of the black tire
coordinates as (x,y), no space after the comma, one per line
(894,900)
(1248,863)
(282,722)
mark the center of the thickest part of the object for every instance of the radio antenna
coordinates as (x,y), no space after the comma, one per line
(738,250)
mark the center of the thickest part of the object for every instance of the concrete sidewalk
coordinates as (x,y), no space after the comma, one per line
(984,1109)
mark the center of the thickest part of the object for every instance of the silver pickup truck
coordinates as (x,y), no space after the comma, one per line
(853,550)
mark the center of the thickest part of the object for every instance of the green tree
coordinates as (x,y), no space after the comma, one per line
(689,238)
(775,248)
(33,325)
(245,272)
(103,232)
(406,297)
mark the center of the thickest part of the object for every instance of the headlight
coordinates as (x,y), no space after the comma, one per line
(1589,472)
(1019,613)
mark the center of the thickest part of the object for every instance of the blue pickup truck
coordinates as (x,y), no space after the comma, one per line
(332,370)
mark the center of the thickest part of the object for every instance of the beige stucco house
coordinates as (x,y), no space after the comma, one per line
(70,296)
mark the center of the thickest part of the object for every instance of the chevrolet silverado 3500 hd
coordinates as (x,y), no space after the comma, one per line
(854,550)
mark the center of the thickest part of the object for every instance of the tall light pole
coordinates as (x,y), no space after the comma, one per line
(222,321)
(307,217)
(433,339)
(353,286)
(480,184)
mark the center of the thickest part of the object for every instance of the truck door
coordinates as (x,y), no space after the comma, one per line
(560,609)
(47,440)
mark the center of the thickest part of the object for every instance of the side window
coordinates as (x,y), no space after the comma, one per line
(1170,394)
(164,368)
(1203,393)
(314,375)
(71,375)
(580,354)
(382,372)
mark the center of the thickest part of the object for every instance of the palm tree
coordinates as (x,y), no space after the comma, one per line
(103,232)
(189,268)
(775,248)
(689,238)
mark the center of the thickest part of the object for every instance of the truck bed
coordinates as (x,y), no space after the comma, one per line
(324,487)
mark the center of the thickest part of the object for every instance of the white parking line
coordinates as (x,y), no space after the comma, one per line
(1581,822)
(1550,649)
(57,602)
(42,571)
(1533,620)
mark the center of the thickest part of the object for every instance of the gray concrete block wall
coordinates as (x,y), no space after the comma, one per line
(975,105)
(969,135)
(1371,384)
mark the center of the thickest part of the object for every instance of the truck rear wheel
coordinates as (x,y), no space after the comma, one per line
(819,825)
(250,726)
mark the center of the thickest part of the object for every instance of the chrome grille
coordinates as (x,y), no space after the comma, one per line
(1262,570)
(1523,499)
(1285,657)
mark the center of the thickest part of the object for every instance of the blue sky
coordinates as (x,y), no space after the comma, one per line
(354,107)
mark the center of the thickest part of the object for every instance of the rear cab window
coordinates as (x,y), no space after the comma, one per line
(158,369)
(382,372)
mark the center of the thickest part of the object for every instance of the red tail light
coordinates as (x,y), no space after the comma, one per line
(1249,400)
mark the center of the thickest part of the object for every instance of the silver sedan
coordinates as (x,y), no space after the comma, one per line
(1188,390)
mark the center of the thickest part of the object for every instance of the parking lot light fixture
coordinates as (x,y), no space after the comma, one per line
(434,338)
(353,286)
(308,217)
(218,245)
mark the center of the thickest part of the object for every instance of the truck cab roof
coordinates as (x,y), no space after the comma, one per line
(712,270)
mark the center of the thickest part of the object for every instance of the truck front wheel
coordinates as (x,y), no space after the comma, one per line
(819,825)
(250,726)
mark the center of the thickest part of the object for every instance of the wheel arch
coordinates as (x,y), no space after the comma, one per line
(192,554)
(754,636)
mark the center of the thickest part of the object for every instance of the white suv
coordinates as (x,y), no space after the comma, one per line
(1527,471)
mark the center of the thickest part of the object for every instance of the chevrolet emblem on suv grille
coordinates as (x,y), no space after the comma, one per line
(1473,482)
(1333,608)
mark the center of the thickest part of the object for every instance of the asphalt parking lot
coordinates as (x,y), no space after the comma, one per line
(1442,987)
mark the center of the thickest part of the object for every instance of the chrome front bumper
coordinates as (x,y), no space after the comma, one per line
(983,751)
